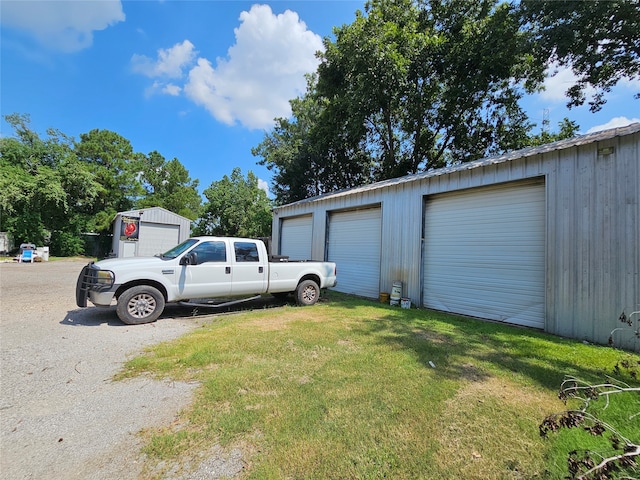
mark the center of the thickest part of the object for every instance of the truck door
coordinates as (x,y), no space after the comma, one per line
(211,276)
(249,272)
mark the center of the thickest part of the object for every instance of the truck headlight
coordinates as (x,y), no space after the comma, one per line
(105,278)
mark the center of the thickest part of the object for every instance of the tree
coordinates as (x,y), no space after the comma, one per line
(567,129)
(423,84)
(43,188)
(168,185)
(308,155)
(407,87)
(115,166)
(235,207)
(597,39)
(55,189)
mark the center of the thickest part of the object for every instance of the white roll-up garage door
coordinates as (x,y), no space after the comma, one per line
(157,238)
(296,236)
(484,253)
(354,244)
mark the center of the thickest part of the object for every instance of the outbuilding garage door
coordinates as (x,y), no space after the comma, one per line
(354,244)
(484,253)
(157,238)
(295,237)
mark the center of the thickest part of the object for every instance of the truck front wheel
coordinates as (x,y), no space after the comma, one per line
(141,304)
(307,293)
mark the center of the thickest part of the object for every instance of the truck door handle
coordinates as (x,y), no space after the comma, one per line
(227,270)
(260,269)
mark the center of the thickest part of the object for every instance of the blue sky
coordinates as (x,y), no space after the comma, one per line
(200,81)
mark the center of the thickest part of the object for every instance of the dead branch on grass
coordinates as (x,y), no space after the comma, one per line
(582,466)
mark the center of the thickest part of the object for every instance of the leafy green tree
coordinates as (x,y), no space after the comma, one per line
(422,84)
(566,129)
(236,207)
(43,187)
(309,156)
(407,87)
(115,167)
(53,189)
(168,185)
(598,39)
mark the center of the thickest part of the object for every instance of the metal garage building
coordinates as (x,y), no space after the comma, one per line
(148,231)
(545,237)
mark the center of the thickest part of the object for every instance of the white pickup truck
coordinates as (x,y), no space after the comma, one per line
(199,268)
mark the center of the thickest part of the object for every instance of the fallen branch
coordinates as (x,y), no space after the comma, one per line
(583,467)
(603,465)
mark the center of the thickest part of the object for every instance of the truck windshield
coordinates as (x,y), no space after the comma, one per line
(179,249)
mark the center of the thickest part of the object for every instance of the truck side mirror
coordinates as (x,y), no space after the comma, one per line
(190,258)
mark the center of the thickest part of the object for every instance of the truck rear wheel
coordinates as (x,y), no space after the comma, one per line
(140,304)
(307,293)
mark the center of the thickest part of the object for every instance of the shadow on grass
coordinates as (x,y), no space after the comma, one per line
(462,347)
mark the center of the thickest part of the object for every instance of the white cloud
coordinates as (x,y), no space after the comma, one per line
(262,71)
(160,88)
(62,25)
(558,80)
(263,185)
(171,89)
(615,122)
(169,63)
(632,83)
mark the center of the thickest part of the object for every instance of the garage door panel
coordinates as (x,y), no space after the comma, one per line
(296,236)
(354,244)
(157,238)
(484,253)
(511,307)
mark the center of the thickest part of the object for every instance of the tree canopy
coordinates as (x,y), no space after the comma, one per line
(598,39)
(168,185)
(413,85)
(45,189)
(54,189)
(236,207)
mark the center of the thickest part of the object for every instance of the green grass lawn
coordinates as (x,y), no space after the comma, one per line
(352,389)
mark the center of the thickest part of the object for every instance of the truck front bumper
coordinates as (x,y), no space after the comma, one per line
(96,284)
(102,299)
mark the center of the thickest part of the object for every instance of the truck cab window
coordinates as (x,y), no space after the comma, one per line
(246,252)
(211,252)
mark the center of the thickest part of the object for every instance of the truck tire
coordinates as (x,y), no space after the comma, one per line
(307,293)
(140,304)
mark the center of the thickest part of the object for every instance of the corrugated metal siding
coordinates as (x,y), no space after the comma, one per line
(150,216)
(592,230)
(401,241)
(162,216)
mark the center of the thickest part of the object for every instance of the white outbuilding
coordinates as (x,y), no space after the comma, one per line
(148,231)
(545,237)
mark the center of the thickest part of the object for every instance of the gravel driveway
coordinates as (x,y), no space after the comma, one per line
(62,417)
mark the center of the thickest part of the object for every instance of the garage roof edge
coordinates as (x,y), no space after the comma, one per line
(514,155)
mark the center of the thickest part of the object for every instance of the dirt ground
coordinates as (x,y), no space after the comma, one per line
(61,415)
